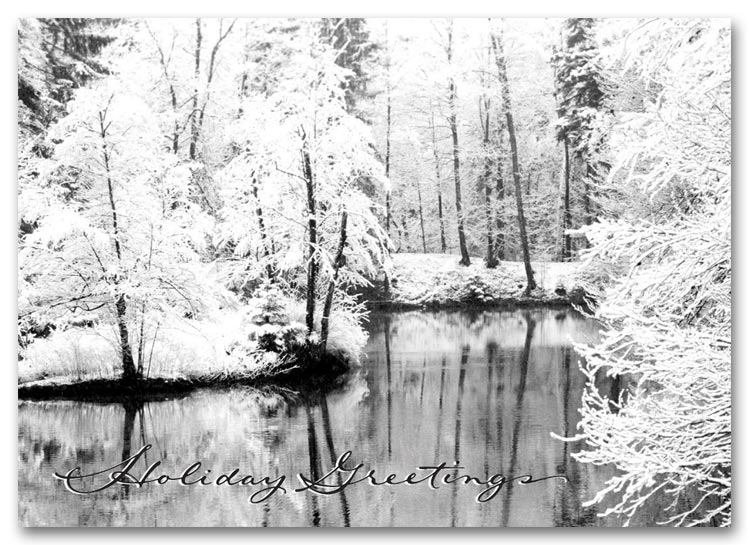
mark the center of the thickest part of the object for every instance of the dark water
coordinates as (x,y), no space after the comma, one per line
(483,388)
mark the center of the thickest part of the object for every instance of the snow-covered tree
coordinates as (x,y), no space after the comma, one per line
(665,255)
(118,238)
(297,210)
(581,98)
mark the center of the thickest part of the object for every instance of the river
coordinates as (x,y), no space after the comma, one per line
(483,388)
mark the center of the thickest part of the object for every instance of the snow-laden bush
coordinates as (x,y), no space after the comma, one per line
(347,335)
(265,332)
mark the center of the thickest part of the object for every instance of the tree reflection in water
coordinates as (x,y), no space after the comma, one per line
(510,377)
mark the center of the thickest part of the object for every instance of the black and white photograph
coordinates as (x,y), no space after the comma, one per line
(374,272)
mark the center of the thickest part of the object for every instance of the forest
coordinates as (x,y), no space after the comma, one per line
(210,201)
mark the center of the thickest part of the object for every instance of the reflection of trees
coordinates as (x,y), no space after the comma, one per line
(270,433)
(423,378)
(458,422)
(530,325)
(132,408)
(389,392)
(333,458)
(440,331)
(443,367)
(491,356)
(314,462)
(566,492)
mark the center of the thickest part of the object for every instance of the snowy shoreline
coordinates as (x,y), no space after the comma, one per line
(438,281)
(294,381)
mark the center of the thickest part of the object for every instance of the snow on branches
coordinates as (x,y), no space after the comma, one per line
(667,297)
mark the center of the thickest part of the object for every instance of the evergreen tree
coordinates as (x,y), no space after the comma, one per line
(581,97)
(57,56)
(349,37)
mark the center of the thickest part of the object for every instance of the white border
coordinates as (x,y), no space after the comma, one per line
(397,8)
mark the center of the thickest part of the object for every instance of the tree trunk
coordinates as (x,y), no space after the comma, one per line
(500,189)
(403,233)
(128,365)
(194,131)
(211,70)
(337,264)
(388,213)
(312,226)
(141,339)
(531,283)
(172,92)
(528,183)
(173,97)
(453,121)
(261,225)
(566,212)
(421,217)
(587,201)
(129,371)
(498,48)
(443,242)
(491,246)
(388,193)
(484,118)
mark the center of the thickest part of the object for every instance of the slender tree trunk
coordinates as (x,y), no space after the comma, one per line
(388,195)
(484,118)
(222,34)
(175,108)
(587,201)
(337,264)
(491,246)
(245,75)
(140,338)
(129,371)
(388,91)
(500,189)
(172,92)
(531,283)
(528,183)
(443,242)
(421,217)
(242,91)
(261,225)
(566,211)
(498,47)
(404,232)
(194,131)
(565,218)
(312,264)
(453,121)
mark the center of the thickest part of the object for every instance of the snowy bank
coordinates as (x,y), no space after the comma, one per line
(437,280)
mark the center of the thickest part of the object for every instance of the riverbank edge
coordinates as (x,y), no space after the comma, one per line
(303,381)
(324,374)
(580,300)
(314,372)
(439,282)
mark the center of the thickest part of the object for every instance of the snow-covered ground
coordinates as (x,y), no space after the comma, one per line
(438,279)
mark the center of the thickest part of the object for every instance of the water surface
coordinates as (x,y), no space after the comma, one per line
(485,389)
